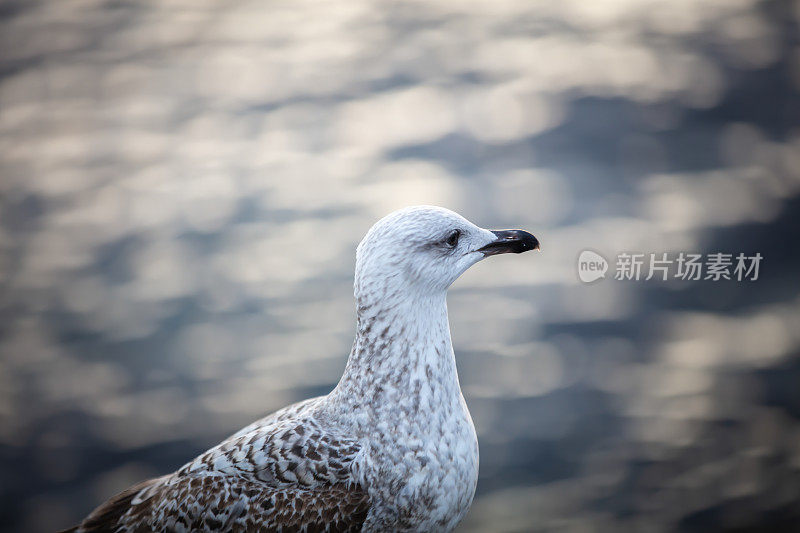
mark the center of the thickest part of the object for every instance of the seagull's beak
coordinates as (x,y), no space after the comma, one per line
(513,241)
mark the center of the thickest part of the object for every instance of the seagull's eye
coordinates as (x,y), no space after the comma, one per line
(452,239)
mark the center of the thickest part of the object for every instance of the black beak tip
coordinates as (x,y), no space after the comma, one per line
(513,241)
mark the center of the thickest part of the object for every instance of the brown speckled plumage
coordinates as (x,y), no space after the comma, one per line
(281,474)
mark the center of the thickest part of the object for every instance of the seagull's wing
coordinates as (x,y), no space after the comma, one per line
(293,477)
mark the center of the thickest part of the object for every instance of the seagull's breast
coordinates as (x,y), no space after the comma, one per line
(402,398)
(450,482)
(424,470)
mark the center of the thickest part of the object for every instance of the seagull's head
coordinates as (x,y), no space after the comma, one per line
(427,248)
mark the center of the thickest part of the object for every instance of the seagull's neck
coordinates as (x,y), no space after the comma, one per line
(402,354)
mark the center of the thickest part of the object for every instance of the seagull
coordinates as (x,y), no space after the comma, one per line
(391,448)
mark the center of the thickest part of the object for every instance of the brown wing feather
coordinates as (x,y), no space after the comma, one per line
(290,477)
(225,504)
(221,504)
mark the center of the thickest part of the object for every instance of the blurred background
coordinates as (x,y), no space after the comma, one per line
(183,184)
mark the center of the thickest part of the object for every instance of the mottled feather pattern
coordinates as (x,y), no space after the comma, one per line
(219,502)
(293,452)
(286,474)
(391,448)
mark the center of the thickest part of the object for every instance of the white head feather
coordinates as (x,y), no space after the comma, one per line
(420,248)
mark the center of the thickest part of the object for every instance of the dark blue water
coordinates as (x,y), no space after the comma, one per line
(183,187)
